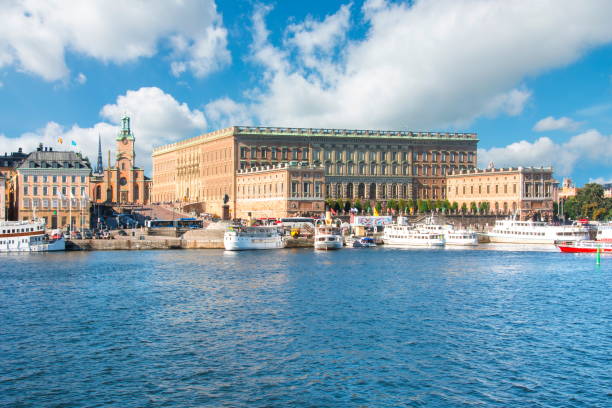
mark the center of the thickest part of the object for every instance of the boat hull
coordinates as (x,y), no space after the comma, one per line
(585,247)
(247,243)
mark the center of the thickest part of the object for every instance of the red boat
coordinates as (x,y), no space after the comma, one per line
(585,246)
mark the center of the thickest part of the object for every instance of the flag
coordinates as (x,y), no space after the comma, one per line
(60,140)
(73,143)
(333,211)
(376,214)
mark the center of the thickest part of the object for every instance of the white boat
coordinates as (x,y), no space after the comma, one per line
(239,238)
(604,232)
(405,235)
(535,232)
(363,242)
(28,236)
(328,237)
(452,236)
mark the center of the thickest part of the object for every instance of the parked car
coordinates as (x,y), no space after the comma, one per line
(76,235)
(122,233)
(87,234)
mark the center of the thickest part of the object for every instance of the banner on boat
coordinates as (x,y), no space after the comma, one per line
(372,221)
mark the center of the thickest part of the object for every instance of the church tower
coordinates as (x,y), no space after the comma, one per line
(125,146)
(99,166)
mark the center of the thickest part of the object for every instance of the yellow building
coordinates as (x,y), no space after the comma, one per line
(525,191)
(284,190)
(54,185)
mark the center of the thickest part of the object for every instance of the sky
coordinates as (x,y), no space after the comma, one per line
(532,78)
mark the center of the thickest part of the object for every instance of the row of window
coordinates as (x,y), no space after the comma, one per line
(374,169)
(285,153)
(44,191)
(54,203)
(535,190)
(54,179)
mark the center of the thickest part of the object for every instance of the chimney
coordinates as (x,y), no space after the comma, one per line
(20,150)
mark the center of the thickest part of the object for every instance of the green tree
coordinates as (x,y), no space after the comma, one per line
(358,205)
(473,208)
(379,207)
(338,205)
(422,205)
(463,208)
(402,205)
(392,204)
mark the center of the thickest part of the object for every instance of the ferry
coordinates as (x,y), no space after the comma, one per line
(328,237)
(535,232)
(28,236)
(239,238)
(451,235)
(405,235)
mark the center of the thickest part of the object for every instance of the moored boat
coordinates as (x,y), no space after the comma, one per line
(238,238)
(28,236)
(585,246)
(535,232)
(363,242)
(452,236)
(604,232)
(405,235)
(328,237)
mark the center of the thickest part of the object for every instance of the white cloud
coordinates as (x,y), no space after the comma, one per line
(601,180)
(36,34)
(584,147)
(225,112)
(157,118)
(420,65)
(81,78)
(551,123)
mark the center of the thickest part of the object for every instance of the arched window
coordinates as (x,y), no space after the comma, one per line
(361,169)
(373,169)
(394,191)
(383,169)
(339,168)
(372,192)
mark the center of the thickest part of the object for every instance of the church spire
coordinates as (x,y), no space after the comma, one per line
(99,166)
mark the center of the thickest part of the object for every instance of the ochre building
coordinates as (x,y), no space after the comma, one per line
(124,183)
(283,190)
(365,164)
(525,191)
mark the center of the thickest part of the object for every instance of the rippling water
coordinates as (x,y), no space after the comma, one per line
(382,327)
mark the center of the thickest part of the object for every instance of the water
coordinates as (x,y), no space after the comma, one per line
(294,328)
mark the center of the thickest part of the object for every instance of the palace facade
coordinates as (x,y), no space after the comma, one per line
(124,183)
(524,191)
(283,190)
(365,164)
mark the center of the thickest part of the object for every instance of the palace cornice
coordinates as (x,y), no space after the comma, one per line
(310,135)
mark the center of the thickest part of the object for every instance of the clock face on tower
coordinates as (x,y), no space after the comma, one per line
(125,141)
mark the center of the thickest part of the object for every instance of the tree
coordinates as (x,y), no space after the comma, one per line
(454,206)
(358,205)
(347,205)
(463,208)
(392,204)
(379,207)
(338,204)
(473,208)
(423,207)
(401,204)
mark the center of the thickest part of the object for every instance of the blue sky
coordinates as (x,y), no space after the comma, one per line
(533,79)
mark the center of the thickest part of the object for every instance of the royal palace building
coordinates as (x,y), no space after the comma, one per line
(365,164)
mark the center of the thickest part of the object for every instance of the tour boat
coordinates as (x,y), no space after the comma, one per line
(585,246)
(328,237)
(238,238)
(27,236)
(451,235)
(405,235)
(535,232)
(363,242)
